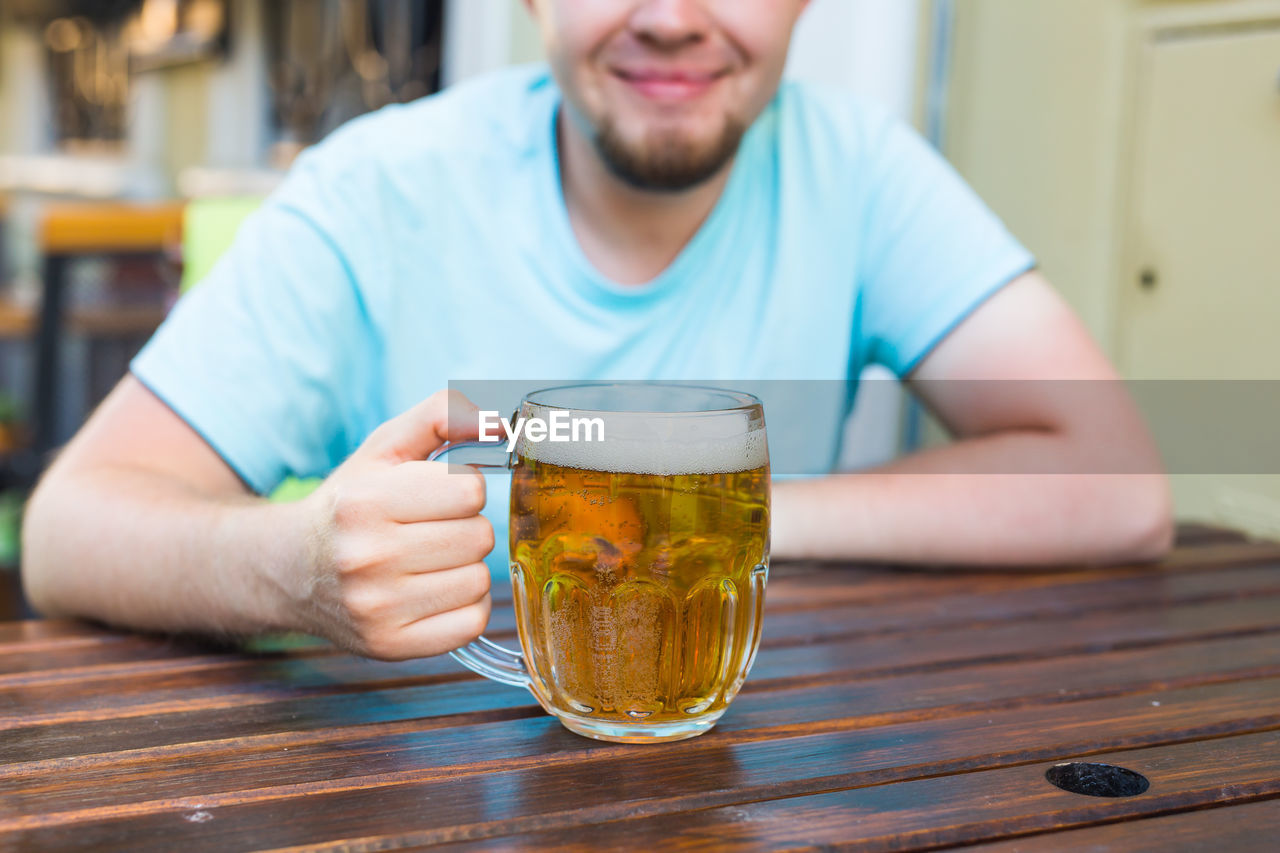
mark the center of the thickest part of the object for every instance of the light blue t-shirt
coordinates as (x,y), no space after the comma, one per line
(430,242)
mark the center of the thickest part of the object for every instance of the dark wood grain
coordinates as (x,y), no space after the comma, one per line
(1244,828)
(1193,533)
(778,750)
(888,709)
(61,695)
(924,813)
(874,656)
(915,696)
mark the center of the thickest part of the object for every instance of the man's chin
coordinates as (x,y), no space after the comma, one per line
(667,163)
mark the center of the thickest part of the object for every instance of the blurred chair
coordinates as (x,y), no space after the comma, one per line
(71,232)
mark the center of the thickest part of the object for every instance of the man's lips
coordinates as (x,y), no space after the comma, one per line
(669,85)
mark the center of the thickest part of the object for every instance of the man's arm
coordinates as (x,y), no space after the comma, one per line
(140,522)
(932,507)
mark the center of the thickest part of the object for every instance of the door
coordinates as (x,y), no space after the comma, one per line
(1202,295)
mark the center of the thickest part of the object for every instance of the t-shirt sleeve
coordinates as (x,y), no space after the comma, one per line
(271,357)
(932,250)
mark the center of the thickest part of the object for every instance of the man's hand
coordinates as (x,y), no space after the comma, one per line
(398,567)
(141,523)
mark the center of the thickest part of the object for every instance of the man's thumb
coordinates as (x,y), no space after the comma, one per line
(444,416)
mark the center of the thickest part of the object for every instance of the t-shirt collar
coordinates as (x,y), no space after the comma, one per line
(585,278)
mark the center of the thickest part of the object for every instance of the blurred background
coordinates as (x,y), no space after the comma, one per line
(1133,145)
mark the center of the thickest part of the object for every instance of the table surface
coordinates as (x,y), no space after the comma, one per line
(888,709)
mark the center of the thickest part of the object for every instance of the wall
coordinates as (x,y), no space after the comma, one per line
(1038,153)
(870,48)
(526,43)
(211,114)
(22,105)
(479,37)
(1017,140)
(1043,98)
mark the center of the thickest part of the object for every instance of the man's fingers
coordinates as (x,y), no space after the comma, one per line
(436,545)
(424,491)
(421,596)
(444,416)
(437,634)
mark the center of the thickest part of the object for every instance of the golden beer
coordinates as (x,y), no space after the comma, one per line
(639,553)
(639,579)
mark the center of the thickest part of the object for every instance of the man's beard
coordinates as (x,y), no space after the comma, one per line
(666,163)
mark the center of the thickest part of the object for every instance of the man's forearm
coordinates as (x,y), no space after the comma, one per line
(918,510)
(137,548)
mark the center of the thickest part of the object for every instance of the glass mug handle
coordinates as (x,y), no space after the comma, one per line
(483,655)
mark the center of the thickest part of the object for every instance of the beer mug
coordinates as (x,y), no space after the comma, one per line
(639,551)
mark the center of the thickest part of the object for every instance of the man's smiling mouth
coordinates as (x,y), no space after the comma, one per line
(669,84)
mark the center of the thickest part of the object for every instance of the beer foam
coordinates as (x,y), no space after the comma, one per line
(636,444)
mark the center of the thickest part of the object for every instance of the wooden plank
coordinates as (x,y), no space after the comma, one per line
(1192,533)
(763,705)
(831,588)
(21,668)
(288,681)
(834,656)
(765,717)
(203,737)
(873,583)
(38,630)
(564,784)
(917,815)
(80,651)
(339,673)
(972,609)
(245,680)
(795,665)
(835,587)
(219,766)
(1238,829)
(920,714)
(112,662)
(1207,557)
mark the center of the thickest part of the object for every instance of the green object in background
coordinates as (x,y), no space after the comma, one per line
(293,489)
(12,501)
(209,227)
(11,505)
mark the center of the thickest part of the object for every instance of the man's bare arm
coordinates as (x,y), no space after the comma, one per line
(140,523)
(931,507)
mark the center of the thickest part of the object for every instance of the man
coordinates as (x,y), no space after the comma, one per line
(662,209)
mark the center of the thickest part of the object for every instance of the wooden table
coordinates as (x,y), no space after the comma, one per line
(887,710)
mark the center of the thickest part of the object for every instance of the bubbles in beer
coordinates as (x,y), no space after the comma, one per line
(639,592)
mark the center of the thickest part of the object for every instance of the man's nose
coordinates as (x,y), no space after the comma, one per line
(670,23)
